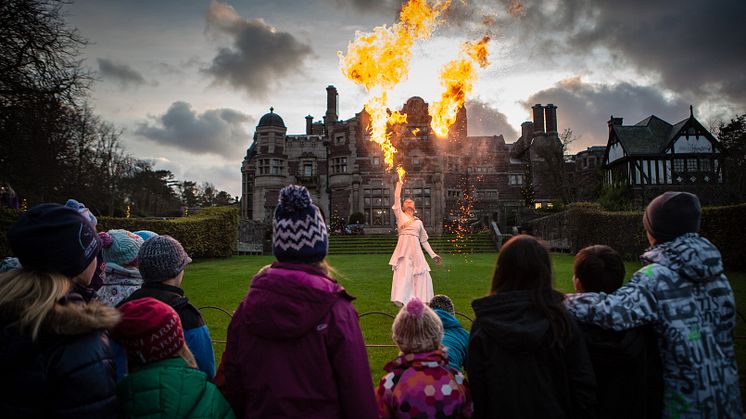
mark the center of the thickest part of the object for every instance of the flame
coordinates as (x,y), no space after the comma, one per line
(457,78)
(401,172)
(379,60)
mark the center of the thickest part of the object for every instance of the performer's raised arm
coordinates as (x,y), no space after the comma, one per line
(397,202)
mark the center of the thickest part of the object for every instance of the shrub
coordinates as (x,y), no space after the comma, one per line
(589,224)
(357,218)
(210,233)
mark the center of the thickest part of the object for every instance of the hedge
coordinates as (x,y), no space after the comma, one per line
(589,224)
(210,233)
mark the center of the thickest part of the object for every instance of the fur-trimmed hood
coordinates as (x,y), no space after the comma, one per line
(70,317)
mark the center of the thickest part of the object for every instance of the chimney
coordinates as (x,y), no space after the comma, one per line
(332,104)
(538,119)
(309,125)
(527,130)
(550,112)
(614,121)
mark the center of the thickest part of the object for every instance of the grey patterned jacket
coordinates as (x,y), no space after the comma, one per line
(683,292)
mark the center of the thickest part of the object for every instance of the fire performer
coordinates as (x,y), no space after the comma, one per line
(411,271)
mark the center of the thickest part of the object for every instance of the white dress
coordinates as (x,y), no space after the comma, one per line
(411,271)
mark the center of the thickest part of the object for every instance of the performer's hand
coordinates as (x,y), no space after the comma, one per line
(437,260)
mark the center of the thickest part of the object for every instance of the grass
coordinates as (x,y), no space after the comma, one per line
(223,283)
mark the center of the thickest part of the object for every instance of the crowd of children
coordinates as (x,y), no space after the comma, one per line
(79,338)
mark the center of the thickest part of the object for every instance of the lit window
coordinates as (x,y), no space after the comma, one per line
(550,205)
(537,205)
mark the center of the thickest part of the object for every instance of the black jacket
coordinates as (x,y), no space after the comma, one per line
(173,296)
(67,372)
(628,367)
(516,371)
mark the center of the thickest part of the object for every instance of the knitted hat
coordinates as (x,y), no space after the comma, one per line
(146,234)
(8,264)
(671,215)
(150,330)
(162,258)
(54,238)
(417,328)
(299,234)
(85,212)
(442,302)
(121,247)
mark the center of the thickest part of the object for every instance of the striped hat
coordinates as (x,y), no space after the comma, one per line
(299,234)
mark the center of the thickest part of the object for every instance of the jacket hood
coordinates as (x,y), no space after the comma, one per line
(691,256)
(511,319)
(70,318)
(121,271)
(448,319)
(286,300)
(613,345)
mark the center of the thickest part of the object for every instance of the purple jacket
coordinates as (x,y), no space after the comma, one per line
(295,349)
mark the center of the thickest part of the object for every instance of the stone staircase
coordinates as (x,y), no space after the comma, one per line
(385,244)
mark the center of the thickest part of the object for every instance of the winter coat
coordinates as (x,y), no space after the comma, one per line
(423,385)
(119,283)
(67,372)
(517,370)
(196,333)
(170,389)
(627,366)
(684,294)
(455,339)
(295,349)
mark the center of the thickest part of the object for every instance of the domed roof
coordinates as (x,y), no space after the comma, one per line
(271,119)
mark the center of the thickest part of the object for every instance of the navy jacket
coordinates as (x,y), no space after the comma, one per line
(196,334)
(68,372)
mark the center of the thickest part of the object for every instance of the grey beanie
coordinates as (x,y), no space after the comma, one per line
(161,258)
(442,302)
(671,215)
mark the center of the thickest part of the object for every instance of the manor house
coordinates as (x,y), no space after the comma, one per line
(482,178)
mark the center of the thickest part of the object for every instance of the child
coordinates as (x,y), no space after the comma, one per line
(626,363)
(455,337)
(55,359)
(527,358)
(294,344)
(162,260)
(684,294)
(163,380)
(419,382)
(121,276)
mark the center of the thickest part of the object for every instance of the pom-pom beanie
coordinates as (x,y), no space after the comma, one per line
(299,234)
(121,247)
(417,328)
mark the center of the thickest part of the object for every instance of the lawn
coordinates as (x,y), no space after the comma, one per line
(223,283)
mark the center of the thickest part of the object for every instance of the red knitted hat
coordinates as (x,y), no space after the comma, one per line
(150,330)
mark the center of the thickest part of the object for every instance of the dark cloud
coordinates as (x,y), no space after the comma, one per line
(482,119)
(384,6)
(260,55)
(217,131)
(696,48)
(586,107)
(121,73)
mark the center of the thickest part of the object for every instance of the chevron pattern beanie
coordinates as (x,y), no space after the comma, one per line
(299,234)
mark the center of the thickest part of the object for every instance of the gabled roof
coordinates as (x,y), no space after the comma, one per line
(645,137)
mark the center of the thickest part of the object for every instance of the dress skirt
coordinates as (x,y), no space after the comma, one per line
(411,272)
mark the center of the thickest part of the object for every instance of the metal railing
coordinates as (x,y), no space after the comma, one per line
(366,314)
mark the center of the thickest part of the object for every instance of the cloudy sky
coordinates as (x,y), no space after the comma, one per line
(188,80)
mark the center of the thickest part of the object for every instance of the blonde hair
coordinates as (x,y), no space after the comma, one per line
(417,328)
(31,297)
(187,356)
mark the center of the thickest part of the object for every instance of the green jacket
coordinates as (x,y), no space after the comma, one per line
(170,389)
